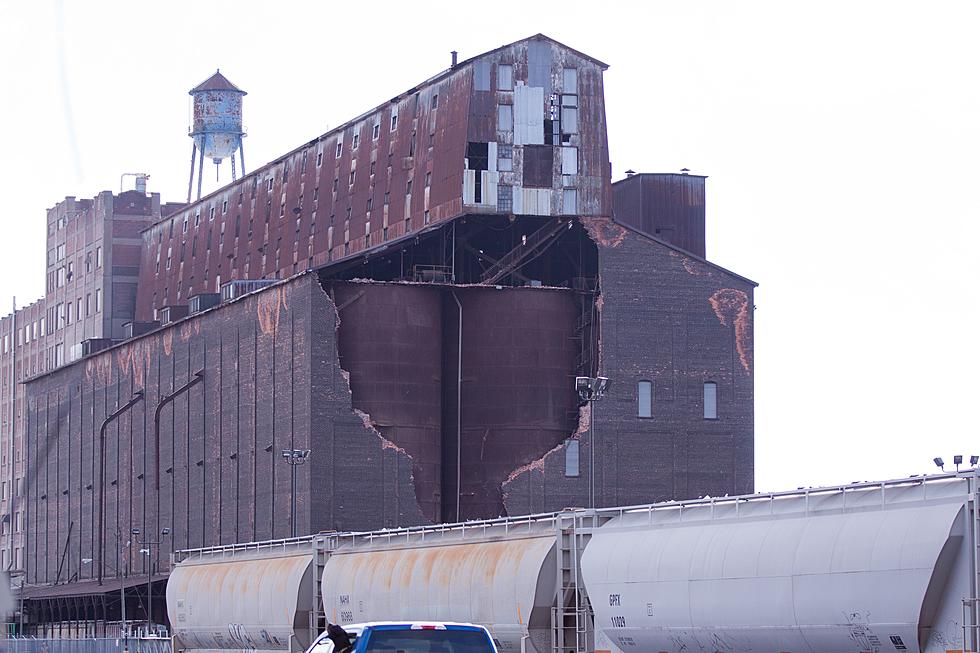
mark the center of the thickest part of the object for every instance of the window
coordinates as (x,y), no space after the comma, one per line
(644,399)
(353,173)
(505,158)
(60,276)
(569,80)
(269,183)
(71,272)
(88,304)
(319,159)
(505,117)
(569,201)
(60,252)
(59,354)
(373,166)
(224,207)
(569,115)
(428,179)
(435,100)
(68,313)
(505,198)
(184,226)
(98,257)
(569,160)
(197,217)
(357,139)
(572,457)
(376,131)
(505,77)
(710,400)
(59,310)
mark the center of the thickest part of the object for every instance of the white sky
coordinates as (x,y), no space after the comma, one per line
(841,141)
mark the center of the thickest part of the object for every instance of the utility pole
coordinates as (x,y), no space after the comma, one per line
(148,551)
(591,389)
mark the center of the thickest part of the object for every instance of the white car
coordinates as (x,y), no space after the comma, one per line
(411,637)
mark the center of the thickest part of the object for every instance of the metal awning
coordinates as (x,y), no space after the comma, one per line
(86,588)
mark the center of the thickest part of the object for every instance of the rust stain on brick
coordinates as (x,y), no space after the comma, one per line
(168,342)
(269,307)
(604,231)
(732,306)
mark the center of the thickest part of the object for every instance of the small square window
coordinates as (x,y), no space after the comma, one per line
(505,77)
(376,131)
(394,122)
(357,139)
(340,148)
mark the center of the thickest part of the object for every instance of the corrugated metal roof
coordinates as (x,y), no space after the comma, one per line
(216,82)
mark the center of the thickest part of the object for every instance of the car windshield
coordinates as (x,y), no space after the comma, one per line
(428,641)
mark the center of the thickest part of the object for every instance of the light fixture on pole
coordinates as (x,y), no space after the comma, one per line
(147,550)
(974,460)
(295,458)
(957,460)
(939,463)
(591,389)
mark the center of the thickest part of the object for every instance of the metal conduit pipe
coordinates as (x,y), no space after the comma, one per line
(137,397)
(459,396)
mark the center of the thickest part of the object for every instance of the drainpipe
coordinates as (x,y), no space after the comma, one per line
(137,397)
(164,400)
(459,396)
(11,515)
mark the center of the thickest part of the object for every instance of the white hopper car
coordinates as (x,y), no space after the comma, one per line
(868,567)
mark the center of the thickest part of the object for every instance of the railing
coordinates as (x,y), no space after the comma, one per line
(86,645)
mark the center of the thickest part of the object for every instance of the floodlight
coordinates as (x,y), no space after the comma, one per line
(939,462)
(165,530)
(957,459)
(974,460)
(135,531)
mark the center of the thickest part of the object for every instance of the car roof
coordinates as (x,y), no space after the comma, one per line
(365,624)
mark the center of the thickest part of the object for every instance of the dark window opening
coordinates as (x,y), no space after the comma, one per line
(538,166)
(478,159)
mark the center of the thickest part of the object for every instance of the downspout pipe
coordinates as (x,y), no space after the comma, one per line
(137,397)
(459,401)
(164,400)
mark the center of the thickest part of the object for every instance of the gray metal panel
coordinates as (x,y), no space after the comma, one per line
(539,64)
(821,581)
(507,586)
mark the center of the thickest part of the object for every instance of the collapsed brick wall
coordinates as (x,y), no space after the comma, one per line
(678,322)
(272,381)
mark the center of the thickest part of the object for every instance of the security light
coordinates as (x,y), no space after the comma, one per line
(957,460)
(135,531)
(974,460)
(939,462)
(165,531)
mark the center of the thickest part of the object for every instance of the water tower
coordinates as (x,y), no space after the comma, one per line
(217,129)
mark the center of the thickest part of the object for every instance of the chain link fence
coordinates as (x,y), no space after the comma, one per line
(84,645)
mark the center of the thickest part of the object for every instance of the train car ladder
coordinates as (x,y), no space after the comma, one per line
(571,616)
(971,606)
(324,544)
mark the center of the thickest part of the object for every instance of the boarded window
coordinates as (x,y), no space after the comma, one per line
(569,201)
(569,160)
(710,400)
(505,158)
(538,166)
(644,399)
(481,76)
(569,120)
(505,77)
(569,80)
(571,457)
(505,117)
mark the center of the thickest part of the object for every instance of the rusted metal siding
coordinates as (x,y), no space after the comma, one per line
(390,339)
(261,235)
(669,207)
(518,398)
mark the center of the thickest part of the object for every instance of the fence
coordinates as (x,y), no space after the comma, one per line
(86,645)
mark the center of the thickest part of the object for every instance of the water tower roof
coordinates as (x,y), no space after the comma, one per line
(216,82)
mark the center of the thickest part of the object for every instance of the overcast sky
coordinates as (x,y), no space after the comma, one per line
(841,142)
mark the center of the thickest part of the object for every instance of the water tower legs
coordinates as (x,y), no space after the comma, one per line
(241,151)
(200,174)
(190,182)
(233,177)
